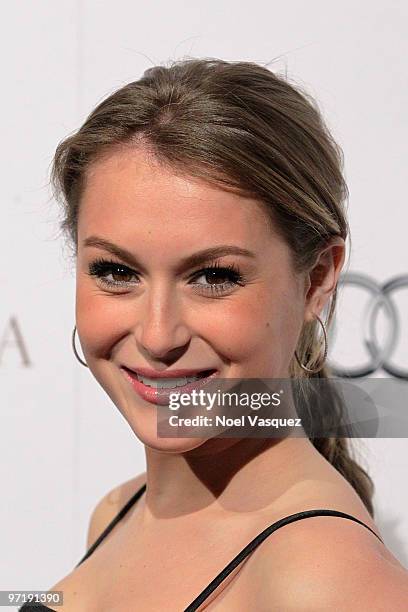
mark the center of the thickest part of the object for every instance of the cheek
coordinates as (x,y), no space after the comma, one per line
(241,326)
(261,329)
(99,319)
(245,325)
(258,327)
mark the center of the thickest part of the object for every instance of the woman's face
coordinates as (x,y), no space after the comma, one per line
(162,312)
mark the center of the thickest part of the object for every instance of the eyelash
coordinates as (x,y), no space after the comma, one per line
(100,267)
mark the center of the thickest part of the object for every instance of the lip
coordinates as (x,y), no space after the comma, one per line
(167,373)
(161,396)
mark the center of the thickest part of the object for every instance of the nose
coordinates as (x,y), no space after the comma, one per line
(161,330)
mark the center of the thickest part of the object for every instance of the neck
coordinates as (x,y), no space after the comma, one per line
(225,476)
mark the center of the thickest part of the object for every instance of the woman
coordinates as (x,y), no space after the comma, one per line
(205,207)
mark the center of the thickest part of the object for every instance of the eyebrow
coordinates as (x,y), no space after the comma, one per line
(188,262)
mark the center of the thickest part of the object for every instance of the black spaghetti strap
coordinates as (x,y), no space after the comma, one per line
(41,608)
(258,540)
(235,561)
(113,522)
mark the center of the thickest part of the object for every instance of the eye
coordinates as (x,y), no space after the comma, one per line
(214,273)
(102,268)
(220,279)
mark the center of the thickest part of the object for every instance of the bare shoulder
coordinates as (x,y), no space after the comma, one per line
(326,563)
(110,504)
(75,584)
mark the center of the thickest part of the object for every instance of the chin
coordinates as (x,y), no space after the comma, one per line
(151,440)
(177,446)
(142,419)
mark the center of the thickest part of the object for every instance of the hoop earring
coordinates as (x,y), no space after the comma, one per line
(74,348)
(306,369)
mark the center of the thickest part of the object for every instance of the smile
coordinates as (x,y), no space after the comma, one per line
(169,383)
(158,390)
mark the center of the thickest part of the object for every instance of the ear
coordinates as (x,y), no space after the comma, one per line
(321,279)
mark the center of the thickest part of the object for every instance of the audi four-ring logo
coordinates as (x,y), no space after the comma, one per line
(381,299)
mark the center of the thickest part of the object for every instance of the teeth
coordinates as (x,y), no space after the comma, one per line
(167,383)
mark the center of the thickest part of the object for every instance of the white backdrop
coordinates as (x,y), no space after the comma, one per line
(64,444)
